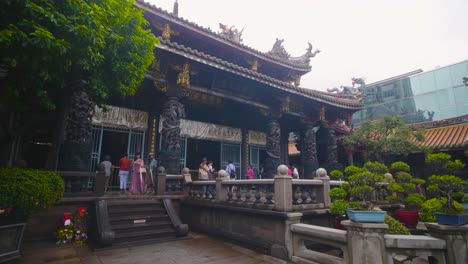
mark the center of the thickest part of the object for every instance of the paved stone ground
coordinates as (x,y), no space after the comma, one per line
(200,249)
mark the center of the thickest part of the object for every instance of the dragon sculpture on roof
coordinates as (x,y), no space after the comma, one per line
(279,51)
(305,59)
(230,32)
(358,92)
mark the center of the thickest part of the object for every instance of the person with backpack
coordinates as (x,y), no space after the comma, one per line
(231,170)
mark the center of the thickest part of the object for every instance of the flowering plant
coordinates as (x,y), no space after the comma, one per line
(75,231)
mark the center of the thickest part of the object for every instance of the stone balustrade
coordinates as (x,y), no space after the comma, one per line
(204,190)
(174,184)
(367,243)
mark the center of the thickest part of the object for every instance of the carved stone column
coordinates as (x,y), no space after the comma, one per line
(172,112)
(332,149)
(308,149)
(273,149)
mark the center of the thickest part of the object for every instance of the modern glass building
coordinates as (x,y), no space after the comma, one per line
(418,96)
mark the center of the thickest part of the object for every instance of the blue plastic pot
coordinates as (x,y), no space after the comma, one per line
(465,205)
(450,219)
(366,216)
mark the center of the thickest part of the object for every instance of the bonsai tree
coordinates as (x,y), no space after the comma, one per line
(336,175)
(388,135)
(362,186)
(405,186)
(442,163)
(445,186)
(338,194)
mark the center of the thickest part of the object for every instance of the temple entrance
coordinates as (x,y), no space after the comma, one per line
(114,144)
(198,149)
(257,159)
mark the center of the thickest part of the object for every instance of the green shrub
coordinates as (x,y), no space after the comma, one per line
(445,185)
(465,198)
(361,192)
(395,227)
(415,200)
(338,208)
(336,174)
(431,206)
(345,186)
(352,170)
(400,166)
(24,191)
(375,167)
(392,199)
(338,194)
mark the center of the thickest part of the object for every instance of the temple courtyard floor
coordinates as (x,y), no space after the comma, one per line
(198,249)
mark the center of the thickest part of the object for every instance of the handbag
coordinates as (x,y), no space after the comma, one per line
(142,170)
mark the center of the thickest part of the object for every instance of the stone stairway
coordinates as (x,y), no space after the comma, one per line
(136,222)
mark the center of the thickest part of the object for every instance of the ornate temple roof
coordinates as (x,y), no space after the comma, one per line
(195,55)
(301,63)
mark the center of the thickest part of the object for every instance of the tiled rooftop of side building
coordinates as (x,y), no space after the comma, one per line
(198,249)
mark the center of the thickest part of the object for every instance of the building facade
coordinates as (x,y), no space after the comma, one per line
(208,95)
(418,96)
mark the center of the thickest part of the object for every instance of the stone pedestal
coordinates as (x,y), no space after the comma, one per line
(325,192)
(283,190)
(456,238)
(161,180)
(221,192)
(366,242)
(173,111)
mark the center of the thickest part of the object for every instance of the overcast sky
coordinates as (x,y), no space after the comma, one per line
(360,38)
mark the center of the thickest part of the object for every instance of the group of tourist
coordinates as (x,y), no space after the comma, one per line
(141,176)
(207,172)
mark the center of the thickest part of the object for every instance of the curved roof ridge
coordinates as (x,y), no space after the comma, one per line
(215,35)
(309,93)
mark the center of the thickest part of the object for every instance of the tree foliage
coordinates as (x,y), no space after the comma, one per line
(388,135)
(46,45)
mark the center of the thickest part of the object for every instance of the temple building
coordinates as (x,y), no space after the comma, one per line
(209,95)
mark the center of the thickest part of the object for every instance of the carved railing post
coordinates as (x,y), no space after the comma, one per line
(161,180)
(366,242)
(187,180)
(456,238)
(273,149)
(322,175)
(283,190)
(308,149)
(221,192)
(173,111)
(99,184)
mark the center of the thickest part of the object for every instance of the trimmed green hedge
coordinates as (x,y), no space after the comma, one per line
(24,191)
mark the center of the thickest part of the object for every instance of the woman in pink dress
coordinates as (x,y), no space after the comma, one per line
(250,173)
(138,185)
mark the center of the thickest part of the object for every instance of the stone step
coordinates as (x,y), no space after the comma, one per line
(130,228)
(135,209)
(121,244)
(133,202)
(129,219)
(136,236)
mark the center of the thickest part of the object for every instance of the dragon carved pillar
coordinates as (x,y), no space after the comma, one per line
(273,149)
(173,111)
(308,149)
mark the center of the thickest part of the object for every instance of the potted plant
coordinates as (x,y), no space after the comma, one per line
(362,186)
(450,212)
(338,206)
(408,191)
(23,192)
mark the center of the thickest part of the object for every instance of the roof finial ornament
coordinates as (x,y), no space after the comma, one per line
(354,92)
(305,59)
(230,33)
(278,50)
(175,9)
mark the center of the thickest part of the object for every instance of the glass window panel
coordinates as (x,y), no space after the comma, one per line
(407,91)
(461,95)
(445,98)
(445,113)
(457,72)
(443,78)
(462,109)
(416,84)
(427,81)
(426,102)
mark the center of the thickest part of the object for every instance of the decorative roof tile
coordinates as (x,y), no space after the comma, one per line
(324,97)
(186,23)
(455,136)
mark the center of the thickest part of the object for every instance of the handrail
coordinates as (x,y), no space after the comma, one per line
(321,232)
